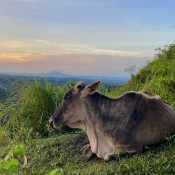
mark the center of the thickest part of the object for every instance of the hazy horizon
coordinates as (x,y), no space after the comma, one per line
(53,73)
(81,63)
(95,37)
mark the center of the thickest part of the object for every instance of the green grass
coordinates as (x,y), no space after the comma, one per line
(63,152)
(45,152)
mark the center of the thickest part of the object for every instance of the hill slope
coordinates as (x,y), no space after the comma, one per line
(157,77)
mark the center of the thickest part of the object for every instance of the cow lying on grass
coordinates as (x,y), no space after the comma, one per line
(124,124)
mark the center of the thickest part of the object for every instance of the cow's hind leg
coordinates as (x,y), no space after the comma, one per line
(134,147)
(124,151)
(86,151)
(128,150)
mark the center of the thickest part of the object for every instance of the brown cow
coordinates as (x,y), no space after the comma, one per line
(124,124)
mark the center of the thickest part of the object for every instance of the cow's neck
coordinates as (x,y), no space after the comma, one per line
(100,144)
(101,109)
(99,140)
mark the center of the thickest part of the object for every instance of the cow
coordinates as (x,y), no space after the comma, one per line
(124,124)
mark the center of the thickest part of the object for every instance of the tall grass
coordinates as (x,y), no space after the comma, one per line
(30,108)
(38,102)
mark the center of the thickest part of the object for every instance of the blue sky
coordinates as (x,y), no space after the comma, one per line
(94,37)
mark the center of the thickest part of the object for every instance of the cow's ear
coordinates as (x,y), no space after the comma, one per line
(90,89)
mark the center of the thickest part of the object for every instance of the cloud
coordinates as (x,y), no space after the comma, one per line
(13,44)
(46,47)
(72,58)
(11,57)
(22,60)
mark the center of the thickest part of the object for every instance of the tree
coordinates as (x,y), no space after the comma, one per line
(130,69)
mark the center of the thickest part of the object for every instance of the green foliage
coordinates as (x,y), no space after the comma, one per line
(12,161)
(58,171)
(19,150)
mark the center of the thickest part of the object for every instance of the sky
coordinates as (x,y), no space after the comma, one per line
(80,37)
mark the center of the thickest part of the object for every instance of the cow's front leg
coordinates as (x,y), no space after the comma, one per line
(86,151)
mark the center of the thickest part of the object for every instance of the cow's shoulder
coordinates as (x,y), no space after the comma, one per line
(137,104)
(131,96)
(141,96)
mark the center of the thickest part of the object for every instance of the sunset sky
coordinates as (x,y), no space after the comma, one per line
(83,37)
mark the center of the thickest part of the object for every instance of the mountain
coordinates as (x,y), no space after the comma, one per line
(58,76)
(54,74)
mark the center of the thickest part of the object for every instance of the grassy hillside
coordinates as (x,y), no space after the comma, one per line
(158,76)
(60,152)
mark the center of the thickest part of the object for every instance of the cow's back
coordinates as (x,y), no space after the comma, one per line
(158,120)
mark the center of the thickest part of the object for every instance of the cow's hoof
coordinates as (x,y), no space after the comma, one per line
(108,157)
(86,151)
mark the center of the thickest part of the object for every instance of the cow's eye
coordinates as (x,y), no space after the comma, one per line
(67,96)
(79,86)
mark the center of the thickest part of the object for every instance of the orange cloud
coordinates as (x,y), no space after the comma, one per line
(13,44)
(22,60)
(12,57)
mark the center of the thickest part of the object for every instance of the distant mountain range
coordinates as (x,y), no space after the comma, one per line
(51,74)
(57,75)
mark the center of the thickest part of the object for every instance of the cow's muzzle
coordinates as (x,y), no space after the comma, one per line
(51,122)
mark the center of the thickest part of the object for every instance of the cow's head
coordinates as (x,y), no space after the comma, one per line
(71,110)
